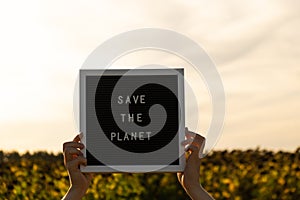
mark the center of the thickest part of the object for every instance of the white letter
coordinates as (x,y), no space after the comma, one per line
(138,117)
(128,100)
(148,133)
(130,117)
(118,138)
(112,135)
(120,100)
(123,117)
(126,136)
(133,135)
(142,98)
(135,99)
(141,135)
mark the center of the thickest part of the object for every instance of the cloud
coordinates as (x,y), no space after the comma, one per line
(255,45)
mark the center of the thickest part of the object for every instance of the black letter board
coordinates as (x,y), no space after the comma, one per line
(132,120)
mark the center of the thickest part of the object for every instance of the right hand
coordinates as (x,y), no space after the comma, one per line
(190,176)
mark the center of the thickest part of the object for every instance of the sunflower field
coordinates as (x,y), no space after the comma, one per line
(252,174)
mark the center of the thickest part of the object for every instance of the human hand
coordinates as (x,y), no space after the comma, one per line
(73,158)
(190,175)
(189,178)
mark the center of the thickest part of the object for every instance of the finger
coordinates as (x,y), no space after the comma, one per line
(199,143)
(199,138)
(187,142)
(190,148)
(73,144)
(179,176)
(196,145)
(77,138)
(70,153)
(189,134)
(74,164)
(81,135)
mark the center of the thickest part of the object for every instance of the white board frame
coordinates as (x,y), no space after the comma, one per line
(181,110)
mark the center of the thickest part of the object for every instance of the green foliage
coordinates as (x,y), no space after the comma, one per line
(253,174)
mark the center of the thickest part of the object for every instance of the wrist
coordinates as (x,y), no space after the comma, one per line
(74,193)
(192,186)
(195,191)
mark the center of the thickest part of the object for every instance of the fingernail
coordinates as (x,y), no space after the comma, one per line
(81,135)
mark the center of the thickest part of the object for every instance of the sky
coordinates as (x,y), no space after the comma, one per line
(255,46)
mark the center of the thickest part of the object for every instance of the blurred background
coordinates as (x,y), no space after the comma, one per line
(254,44)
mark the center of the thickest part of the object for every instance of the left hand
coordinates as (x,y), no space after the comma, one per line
(73,158)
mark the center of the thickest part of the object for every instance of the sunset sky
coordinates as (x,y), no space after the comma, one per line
(254,44)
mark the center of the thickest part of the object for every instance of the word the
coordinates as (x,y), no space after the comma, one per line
(131,117)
